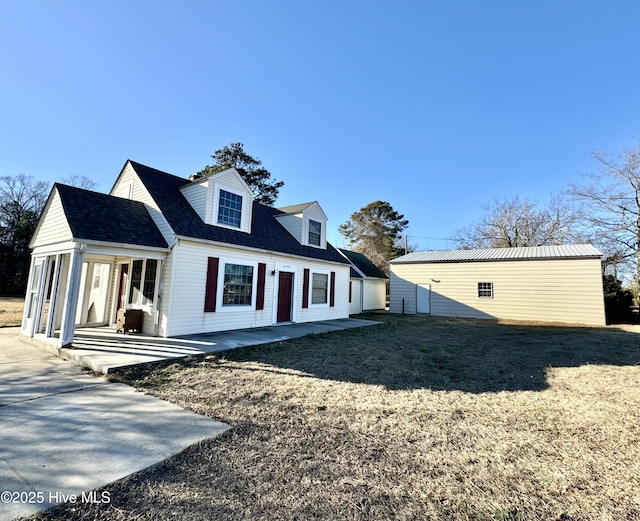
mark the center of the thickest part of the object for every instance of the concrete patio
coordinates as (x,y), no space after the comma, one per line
(103,350)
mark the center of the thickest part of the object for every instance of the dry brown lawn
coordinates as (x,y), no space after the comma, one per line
(419,418)
(11,311)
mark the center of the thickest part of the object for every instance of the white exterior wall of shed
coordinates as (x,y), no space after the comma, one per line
(554,290)
(183,311)
(375,294)
(355,304)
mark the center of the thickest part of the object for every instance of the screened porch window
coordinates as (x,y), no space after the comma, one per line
(143,282)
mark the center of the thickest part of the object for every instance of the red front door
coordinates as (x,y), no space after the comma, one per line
(285,286)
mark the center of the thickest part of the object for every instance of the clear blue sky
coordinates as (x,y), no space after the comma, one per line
(434,106)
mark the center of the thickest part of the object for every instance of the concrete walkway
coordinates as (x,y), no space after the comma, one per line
(103,350)
(63,431)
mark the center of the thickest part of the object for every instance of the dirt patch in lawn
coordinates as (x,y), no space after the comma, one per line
(11,311)
(418,418)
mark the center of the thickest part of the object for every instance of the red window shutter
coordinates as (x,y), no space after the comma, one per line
(305,288)
(332,298)
(212,284)
(262,271)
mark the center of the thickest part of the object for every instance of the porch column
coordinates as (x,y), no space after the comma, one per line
(25,313)
(71,297)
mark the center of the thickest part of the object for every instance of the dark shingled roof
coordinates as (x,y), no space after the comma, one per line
(362,262)
(102,217)
(353,273)
(266,232)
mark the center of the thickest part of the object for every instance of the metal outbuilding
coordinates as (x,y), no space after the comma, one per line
(544,283)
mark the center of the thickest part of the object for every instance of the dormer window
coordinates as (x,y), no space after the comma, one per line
(229,209)
(315,232)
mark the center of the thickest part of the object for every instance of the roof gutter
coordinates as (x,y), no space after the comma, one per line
(254,249)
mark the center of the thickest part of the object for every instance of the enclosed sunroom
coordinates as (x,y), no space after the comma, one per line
(94,258)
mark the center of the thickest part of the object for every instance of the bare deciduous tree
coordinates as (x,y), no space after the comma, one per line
(80,181)
(610,207)
(21,201)
(510,223)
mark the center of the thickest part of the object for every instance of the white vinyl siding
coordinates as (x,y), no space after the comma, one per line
(355,306)
(54,228)
(554,290)
(315,213)
(204,196)
(185,312)
(196,193)
(231,182)
(375,294)
(293,224)
(298,224)
(128,177)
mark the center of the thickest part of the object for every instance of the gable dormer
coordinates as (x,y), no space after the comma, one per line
(223,199)
(306,222)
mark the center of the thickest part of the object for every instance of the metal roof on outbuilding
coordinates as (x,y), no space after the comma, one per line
(502,254)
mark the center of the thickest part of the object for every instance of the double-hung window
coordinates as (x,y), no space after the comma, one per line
(319,288)
(238,285)
(229,209)
(315,232)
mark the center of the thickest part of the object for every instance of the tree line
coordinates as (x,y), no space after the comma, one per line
(604,211)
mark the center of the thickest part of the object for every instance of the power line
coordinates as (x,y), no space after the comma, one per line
(431,238)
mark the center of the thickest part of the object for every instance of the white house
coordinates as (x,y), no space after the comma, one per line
(170,256)
(545,283)
(367,284)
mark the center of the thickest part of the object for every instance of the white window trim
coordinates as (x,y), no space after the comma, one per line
(486,296)
(244,212)
(156,289)
(125,190)
(313,271)
(226,308)
(323,232)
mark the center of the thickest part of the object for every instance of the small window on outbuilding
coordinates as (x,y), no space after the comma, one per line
(485,289)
